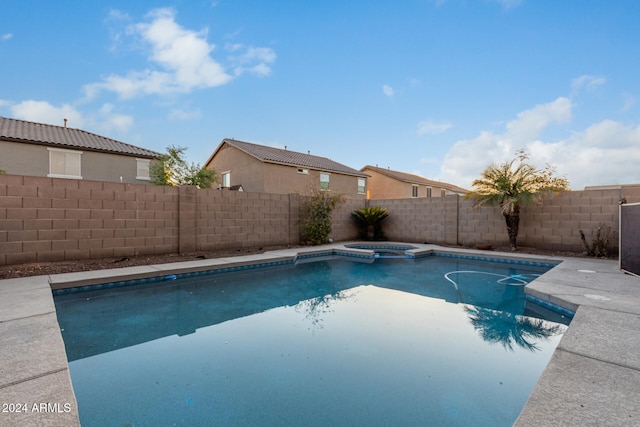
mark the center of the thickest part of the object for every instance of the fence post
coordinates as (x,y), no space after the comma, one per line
(451,219)
(294,219)
(187,219)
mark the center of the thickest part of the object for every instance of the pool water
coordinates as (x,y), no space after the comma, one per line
(434,341)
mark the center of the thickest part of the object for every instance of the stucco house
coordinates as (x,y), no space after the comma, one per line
(389,184)
(259,168)
(38,149)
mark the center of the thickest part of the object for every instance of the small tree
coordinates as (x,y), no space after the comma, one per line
(370,219)
(315,213)
(512,185)
(172,169)
(600,243)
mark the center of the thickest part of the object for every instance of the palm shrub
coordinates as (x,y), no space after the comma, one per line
(370,220)
(511,186)
(315,213)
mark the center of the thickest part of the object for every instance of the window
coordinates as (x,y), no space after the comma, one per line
(414,190)
(226,180)
(429,192)
(304,171)
(64,163)
(361,185)
(142,170)
(324,181)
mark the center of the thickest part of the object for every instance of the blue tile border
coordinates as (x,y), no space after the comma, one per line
(166,277)
(303,256)
(553,307)
(497,259)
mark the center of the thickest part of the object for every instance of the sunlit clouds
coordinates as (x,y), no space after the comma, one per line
(604,152)
(43,112)
(180,60)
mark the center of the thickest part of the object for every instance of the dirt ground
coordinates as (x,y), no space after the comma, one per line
(37,269)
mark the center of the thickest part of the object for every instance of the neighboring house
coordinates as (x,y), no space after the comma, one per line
(258,168)
(390,184)
(38,149)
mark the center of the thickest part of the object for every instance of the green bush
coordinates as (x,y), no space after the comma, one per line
(315,213)
(370,220)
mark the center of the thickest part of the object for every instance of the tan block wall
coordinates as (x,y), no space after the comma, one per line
(555,224)
(44,219)
(232,219)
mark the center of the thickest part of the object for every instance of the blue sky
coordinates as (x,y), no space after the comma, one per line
(438,88)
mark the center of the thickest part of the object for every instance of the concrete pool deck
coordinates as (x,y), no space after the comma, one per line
(593,377)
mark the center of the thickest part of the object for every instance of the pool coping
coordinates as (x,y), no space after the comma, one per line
(593,376)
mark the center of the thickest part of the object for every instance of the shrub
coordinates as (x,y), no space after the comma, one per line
(370,220)
(315,213)
(599,244)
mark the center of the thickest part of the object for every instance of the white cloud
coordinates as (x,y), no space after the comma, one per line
(109,121)
(606,152)
(531,122)
(431,127)
(43,112)
(586,82)
(387,90)
(105,121)
(254,59)
(183,115)
(6,36)
(180,60)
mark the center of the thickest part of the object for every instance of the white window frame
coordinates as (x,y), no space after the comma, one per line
(325,181)
(225,176)
(362,189)
(142,165)
(303,171)
(429,192)
(414,191)
(69,155)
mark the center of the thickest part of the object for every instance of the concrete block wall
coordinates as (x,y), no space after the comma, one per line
(232,219)
(48,219)
(415,220)
(343,226)
(554,224)
(45,219)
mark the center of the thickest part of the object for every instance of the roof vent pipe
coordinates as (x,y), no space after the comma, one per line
(65,123)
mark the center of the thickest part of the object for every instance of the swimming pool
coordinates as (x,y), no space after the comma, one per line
(437,340)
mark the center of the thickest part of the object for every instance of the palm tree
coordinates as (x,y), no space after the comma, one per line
(371,218)
(512,185)
(508,328)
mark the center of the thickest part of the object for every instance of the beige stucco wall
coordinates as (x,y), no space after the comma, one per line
(257,176)
(24,159)
(245,170)
(384,187)
(33,160)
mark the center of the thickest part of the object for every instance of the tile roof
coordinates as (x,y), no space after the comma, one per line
(64,137)
(290,158)
(415,179)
